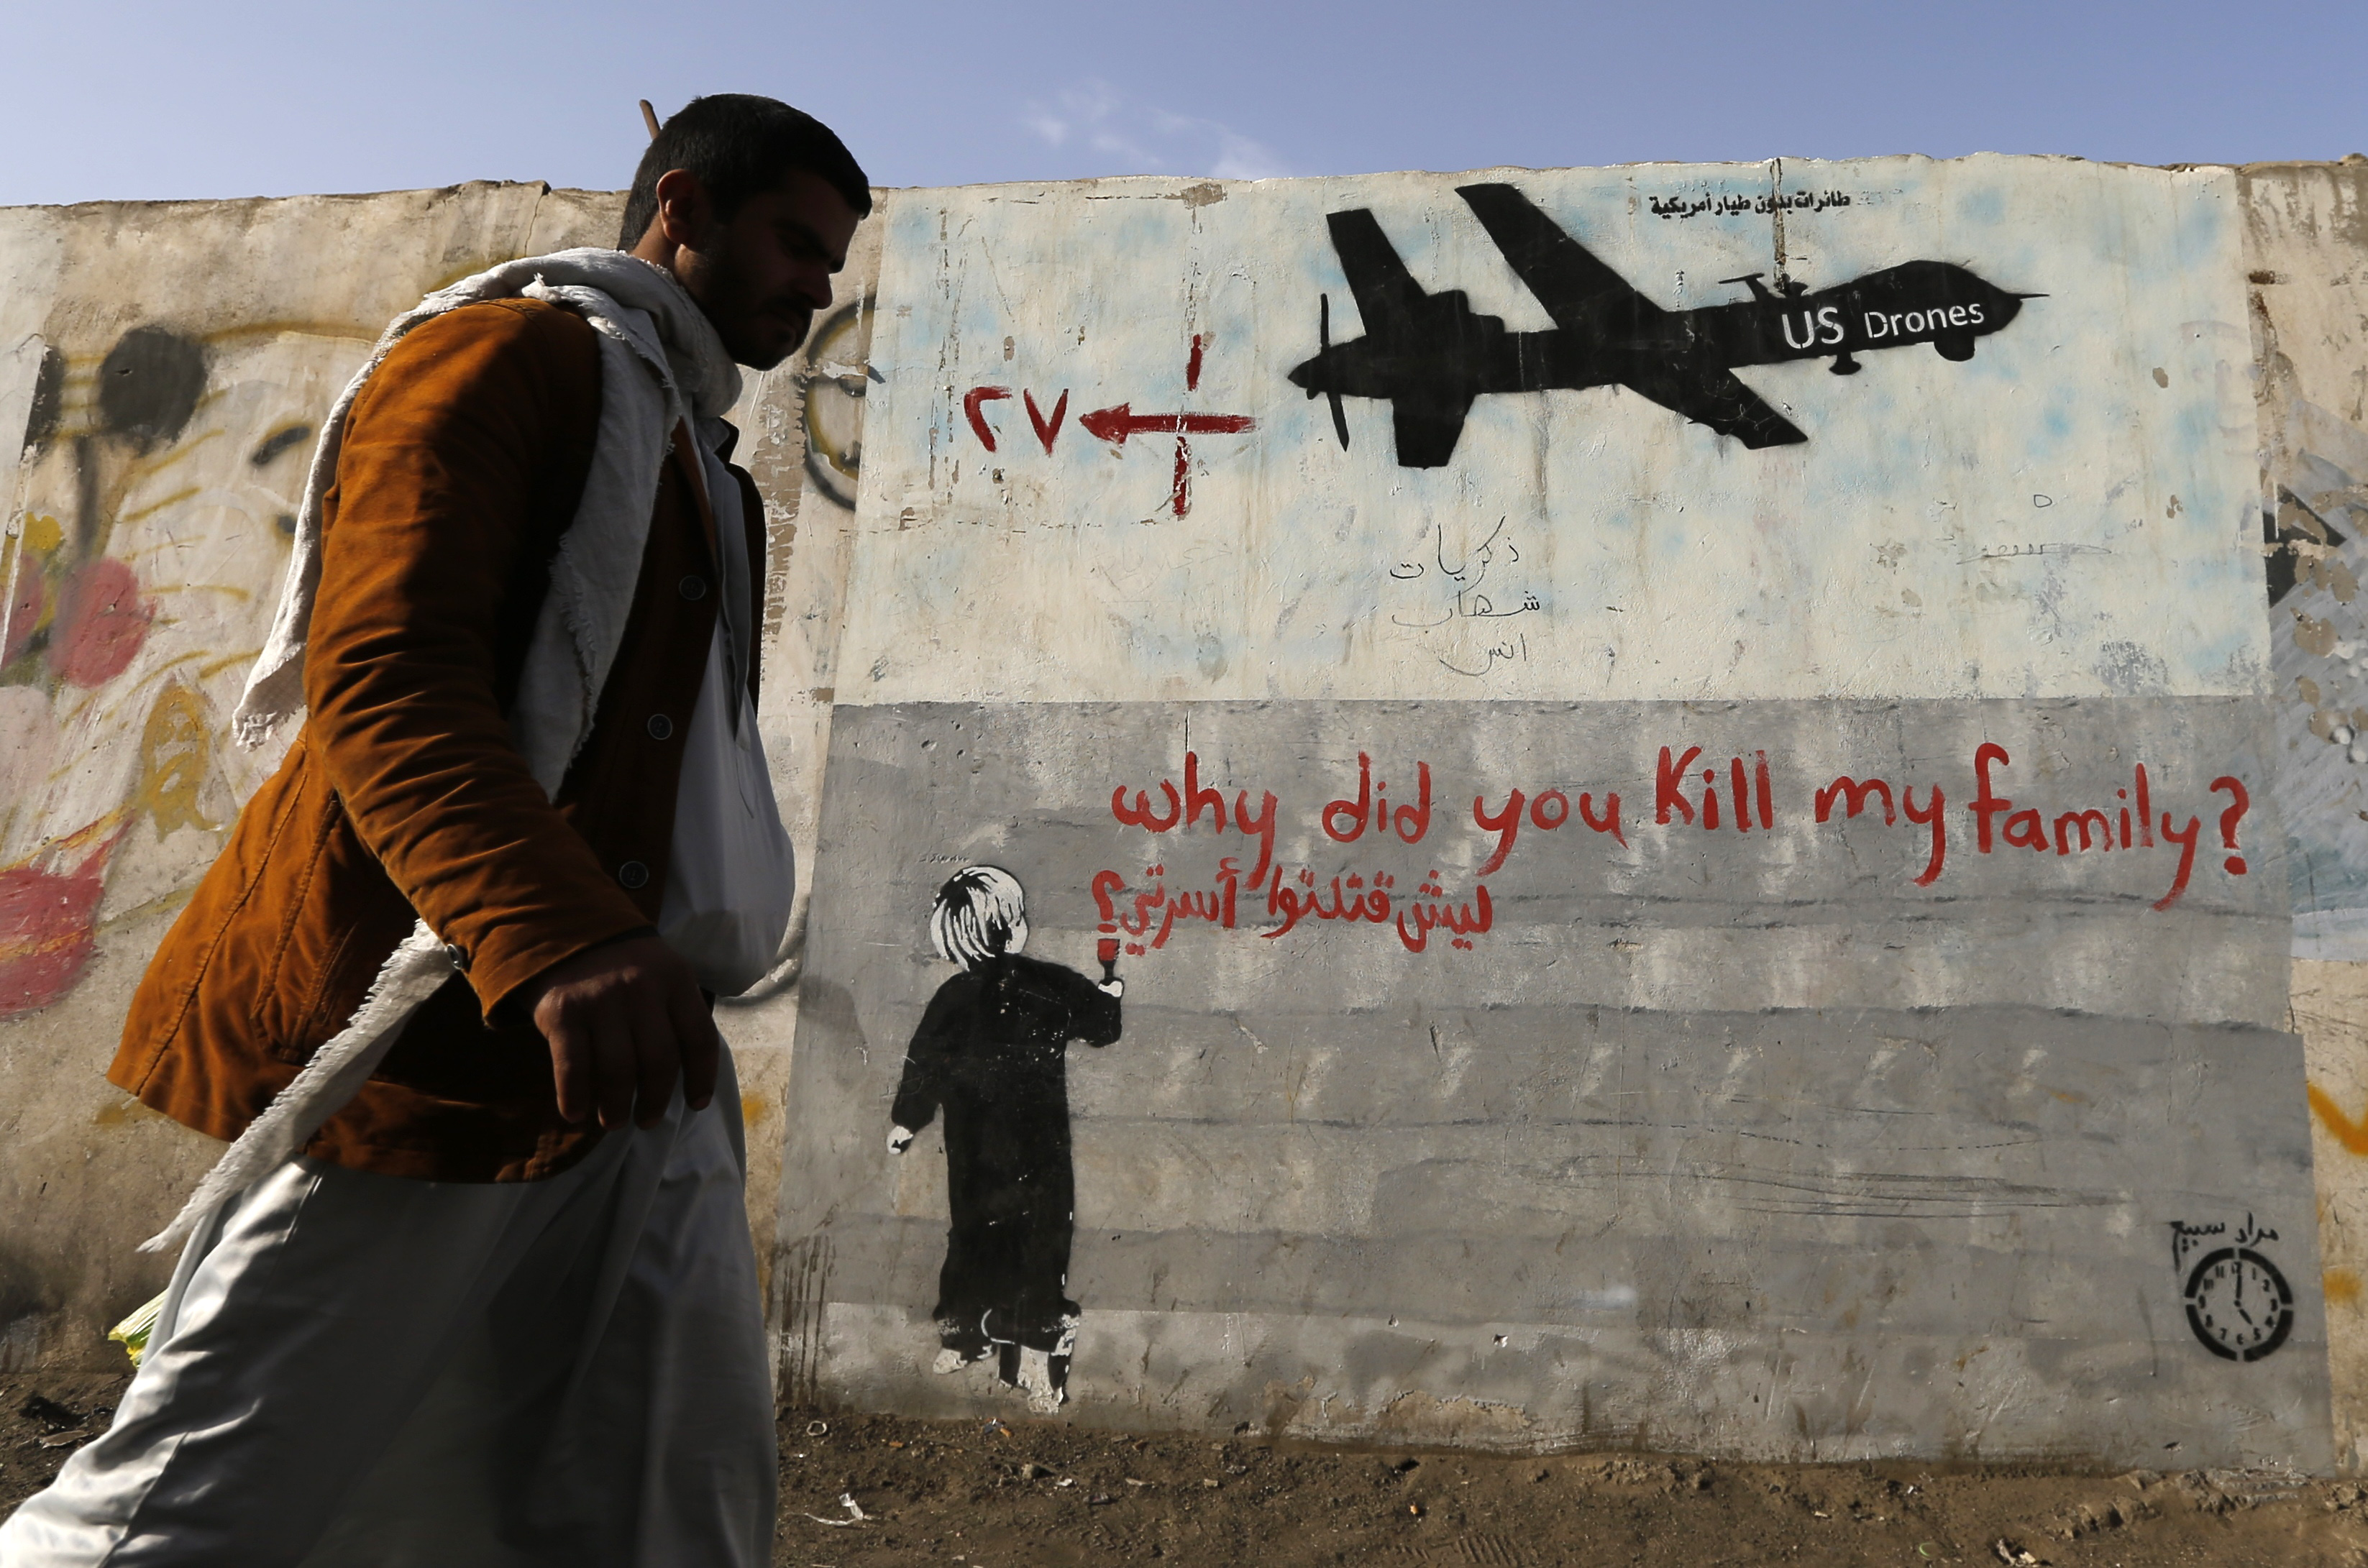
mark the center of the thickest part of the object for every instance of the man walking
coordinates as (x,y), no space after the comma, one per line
(474,1283)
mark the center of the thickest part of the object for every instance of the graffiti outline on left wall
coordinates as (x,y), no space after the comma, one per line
(148,526)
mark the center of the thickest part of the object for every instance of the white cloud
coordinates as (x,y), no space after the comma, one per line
(1241,158)
(1139,137)
(1053,130)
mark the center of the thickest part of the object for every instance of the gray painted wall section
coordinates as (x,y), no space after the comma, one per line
(1737,1143)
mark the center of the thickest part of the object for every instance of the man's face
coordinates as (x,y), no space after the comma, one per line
(761,275)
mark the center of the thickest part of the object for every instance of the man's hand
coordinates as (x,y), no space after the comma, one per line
(899,1140)
(622,1019)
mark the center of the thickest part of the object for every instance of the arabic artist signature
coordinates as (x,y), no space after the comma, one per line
(2185,1237)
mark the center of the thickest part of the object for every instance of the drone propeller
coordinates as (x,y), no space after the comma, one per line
(1323,341)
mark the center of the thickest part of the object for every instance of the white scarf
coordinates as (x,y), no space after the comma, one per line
(660,362)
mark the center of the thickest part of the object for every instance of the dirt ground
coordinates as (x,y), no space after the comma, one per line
(873,1492)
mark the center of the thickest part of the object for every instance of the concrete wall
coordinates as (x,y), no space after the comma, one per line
(1831,1138)
(1813,1135)
(2306,279)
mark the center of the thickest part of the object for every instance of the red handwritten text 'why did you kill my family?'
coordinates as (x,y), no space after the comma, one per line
(1737,795)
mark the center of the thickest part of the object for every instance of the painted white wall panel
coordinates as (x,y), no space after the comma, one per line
(2069,512)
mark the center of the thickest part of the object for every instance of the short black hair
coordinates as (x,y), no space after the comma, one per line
(740,146)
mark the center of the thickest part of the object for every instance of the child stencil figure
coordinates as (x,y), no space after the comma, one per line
(991,1053)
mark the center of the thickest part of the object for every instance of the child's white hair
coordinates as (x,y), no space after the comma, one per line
(982,911)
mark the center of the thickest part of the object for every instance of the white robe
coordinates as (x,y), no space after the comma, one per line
(355,1370)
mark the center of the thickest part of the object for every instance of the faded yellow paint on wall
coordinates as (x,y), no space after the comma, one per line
(2352,1135)
(176,749)
(2329,1003)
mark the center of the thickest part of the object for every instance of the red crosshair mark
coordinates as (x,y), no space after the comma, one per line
(1116,423)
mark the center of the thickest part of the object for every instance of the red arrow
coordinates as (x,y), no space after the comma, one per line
(1115,425)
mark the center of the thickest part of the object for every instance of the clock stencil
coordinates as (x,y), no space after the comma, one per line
(2237,1302)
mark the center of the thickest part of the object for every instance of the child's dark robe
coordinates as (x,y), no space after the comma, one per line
(991,1053)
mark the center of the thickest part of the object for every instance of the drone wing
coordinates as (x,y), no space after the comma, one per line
(1709,394)
(1582,295)
(1387,295)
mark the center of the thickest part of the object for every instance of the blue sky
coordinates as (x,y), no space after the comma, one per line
(113,99)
